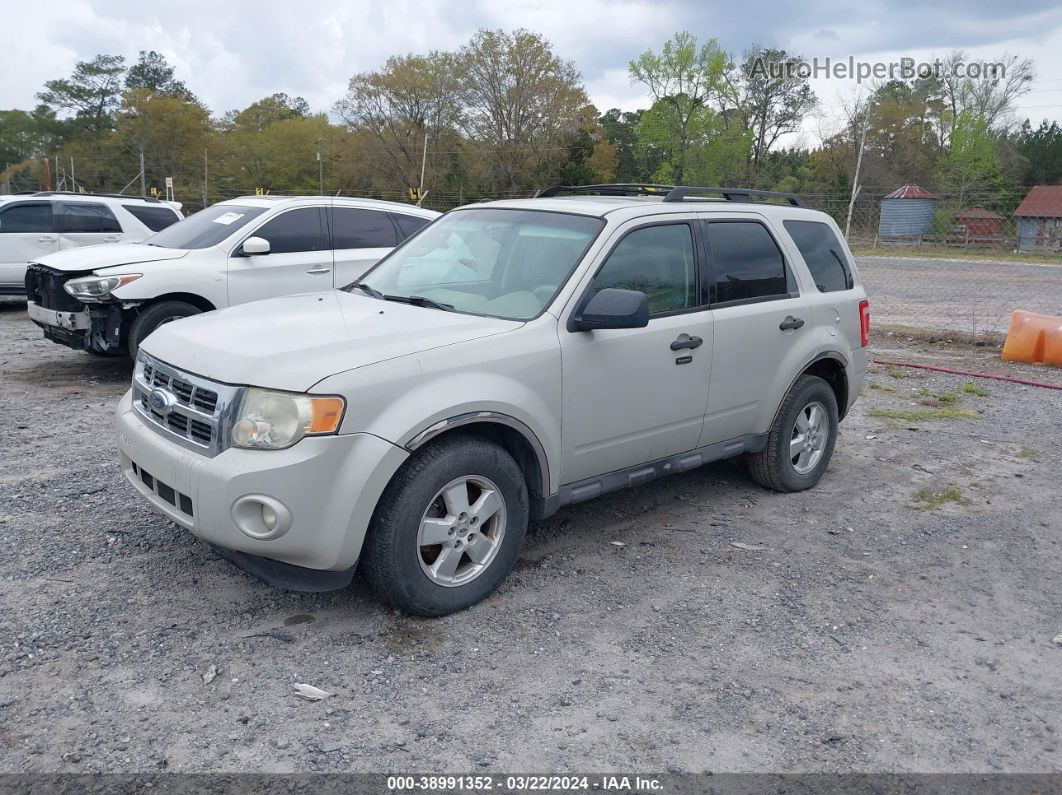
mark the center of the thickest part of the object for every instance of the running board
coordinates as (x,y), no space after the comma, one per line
(589,488)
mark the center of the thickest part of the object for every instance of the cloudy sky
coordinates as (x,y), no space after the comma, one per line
(231,53)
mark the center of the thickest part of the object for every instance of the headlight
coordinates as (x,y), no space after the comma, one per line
(89,288)
(275,420)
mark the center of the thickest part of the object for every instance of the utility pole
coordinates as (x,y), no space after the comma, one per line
(7,176)
(423,163)
(143,176)
(855,179)
(320,167)
(204,178)
(73,182)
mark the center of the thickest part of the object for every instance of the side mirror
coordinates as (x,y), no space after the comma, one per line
(254,245)
(613,308)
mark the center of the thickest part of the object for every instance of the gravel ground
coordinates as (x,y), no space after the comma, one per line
(967,296)
(859,630)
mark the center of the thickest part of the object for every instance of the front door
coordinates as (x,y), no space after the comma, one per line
(27,233)
(629,397)
(299,258)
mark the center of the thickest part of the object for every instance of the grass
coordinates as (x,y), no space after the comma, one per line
(946,252)
(882,387)
(970,388)
(1028,452)
(931,499)
(921,415)
(894,372)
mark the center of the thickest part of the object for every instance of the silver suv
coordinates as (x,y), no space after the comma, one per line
(511,358)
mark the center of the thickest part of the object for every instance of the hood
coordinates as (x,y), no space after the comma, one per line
(293,342)
(90,258)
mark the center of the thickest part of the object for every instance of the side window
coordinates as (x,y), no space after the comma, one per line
(84,217)
(34,217)
(296,230)
(409,225)
(658,261)
(746,262)
(352,228)
(154,218)
(823,253)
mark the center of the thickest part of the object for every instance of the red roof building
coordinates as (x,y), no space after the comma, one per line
(979,225)
(1043,201)
(1040,219)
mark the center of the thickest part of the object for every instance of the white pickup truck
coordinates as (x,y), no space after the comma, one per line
(107,299)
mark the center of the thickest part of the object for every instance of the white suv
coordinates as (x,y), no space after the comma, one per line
(37,224)
(107,300)
(513,358)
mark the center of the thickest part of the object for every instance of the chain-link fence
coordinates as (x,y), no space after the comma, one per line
(947,263)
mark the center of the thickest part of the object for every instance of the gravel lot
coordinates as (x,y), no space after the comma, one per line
(967,296)
(871,631)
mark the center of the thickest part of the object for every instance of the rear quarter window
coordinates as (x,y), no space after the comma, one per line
(823,253)
(154,218)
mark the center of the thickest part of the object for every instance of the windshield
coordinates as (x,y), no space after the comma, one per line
(499,263)
(206,228)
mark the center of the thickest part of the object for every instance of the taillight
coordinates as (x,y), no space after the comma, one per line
(864,322)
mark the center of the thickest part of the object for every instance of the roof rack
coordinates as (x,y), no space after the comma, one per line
(613,189)
(729,194)
(107,195)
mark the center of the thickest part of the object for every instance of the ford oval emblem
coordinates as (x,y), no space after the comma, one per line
(160,401)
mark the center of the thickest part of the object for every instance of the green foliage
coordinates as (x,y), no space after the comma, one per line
(92,93)
(153,74)
(681,79)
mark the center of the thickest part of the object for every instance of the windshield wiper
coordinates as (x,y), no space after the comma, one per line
(420,300)
(366,288)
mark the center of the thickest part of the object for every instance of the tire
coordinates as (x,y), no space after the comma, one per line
(394,561)
(774,467)
(153,317)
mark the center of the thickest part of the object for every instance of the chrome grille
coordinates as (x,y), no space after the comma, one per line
(195,412)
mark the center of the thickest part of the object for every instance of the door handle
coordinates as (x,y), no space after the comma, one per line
(686,341)
(319,270)
(46,239)
(111,239)
(790,323)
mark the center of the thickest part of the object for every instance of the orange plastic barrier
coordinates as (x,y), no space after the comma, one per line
(1034,338)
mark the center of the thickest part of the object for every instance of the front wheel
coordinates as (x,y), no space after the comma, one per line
(154,316)
(801,440)
(448,528)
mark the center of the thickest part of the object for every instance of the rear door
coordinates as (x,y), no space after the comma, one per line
(360,237)
(761,323)
(299,258)
(86,224)
(27,233)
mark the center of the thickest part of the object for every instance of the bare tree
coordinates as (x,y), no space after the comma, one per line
(519,102)
(771,96)
(989,96)
(410,98)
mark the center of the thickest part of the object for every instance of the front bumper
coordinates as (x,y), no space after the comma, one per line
(66,328)
(329,484)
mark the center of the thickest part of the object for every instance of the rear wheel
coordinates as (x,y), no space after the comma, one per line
(448,528)
(801,440)
(154,316)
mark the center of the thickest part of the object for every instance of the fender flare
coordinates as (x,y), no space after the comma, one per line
(419,439)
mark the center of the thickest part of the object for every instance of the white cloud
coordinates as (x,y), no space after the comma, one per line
(231,54)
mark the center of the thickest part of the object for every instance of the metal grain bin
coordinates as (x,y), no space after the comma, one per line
(906,213)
